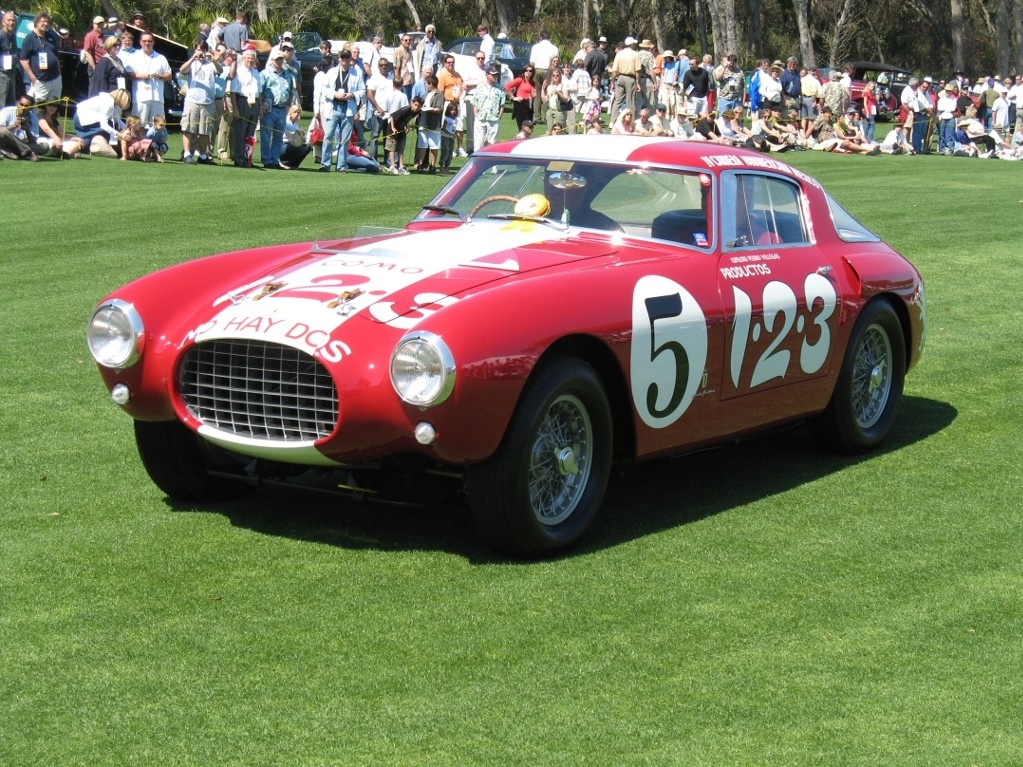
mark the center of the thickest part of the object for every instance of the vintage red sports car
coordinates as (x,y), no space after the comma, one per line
(562,303)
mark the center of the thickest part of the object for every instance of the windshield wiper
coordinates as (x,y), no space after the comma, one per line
(447,209)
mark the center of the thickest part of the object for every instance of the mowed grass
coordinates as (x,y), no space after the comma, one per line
(758,604)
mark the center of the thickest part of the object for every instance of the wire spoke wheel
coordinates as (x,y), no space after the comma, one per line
(560,460)
(868,388)
(542,488)
(872,376)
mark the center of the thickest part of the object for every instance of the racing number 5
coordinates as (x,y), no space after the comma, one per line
(669,350)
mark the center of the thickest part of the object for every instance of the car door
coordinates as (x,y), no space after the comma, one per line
(779,298)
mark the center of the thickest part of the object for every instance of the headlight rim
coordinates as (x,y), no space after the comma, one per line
(137,338)
(446,362)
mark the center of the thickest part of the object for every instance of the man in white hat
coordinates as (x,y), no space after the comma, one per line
(668,80)
(624,72)
(647,74)
(216,33)
(584,47)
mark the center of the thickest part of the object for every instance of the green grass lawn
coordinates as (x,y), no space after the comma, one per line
(759,604)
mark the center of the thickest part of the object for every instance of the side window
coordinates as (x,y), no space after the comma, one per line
(768,211)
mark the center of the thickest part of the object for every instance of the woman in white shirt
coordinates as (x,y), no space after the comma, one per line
(101,115)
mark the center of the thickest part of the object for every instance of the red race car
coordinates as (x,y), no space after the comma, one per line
(562,303)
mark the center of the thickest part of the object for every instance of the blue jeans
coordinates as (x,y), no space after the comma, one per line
(339,127)
(947,135)
(868,129)
(271,135)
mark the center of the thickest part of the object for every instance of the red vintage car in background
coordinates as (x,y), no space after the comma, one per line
(560,305)
(890,82)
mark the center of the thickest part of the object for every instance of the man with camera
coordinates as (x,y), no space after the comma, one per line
(346,86)
(197,120)
(730,81)
(19,129)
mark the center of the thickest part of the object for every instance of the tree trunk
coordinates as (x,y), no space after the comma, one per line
(1017,28)
(958,58)
(1002,37)
(756,25)
(806,52)
(700,12)
(536,10)
(416,22)
(657,17)
(723,26)
(585,20)
(598,20)
(503,22)
(840,35)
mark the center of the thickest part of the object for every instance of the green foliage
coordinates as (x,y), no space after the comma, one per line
(760,604)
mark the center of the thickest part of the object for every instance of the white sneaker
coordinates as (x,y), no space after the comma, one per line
(462,153)
(404,171)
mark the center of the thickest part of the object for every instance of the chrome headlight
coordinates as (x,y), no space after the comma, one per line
(422,369)
(115,334)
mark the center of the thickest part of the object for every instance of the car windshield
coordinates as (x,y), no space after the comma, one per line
(663,204)
(503,49)
(306,41)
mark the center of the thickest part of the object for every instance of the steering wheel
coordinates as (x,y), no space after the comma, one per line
(492,198)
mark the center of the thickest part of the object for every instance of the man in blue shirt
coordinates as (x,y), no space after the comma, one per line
(277,85)
(39,60)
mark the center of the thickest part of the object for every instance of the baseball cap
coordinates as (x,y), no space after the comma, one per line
(494,69)
(527,123)
(630,40)
(99,20)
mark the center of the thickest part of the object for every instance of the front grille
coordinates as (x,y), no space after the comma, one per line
(259,390)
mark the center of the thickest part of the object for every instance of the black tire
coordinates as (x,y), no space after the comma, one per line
(178,462)
(543,487)
(869,388)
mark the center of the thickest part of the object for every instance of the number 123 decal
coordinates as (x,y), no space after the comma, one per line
(669,340)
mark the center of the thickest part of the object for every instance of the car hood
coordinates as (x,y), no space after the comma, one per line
(388,280)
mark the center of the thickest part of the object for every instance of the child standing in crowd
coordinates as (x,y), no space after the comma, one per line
(447,136)
(401,120)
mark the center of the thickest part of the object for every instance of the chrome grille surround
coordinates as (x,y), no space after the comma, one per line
(258,390)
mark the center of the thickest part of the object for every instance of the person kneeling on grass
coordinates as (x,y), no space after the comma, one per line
(295,146)
(100,117)
(360,159)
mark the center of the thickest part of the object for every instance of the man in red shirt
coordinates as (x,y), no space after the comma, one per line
(92,45)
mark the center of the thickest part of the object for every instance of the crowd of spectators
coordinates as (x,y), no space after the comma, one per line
(366,107)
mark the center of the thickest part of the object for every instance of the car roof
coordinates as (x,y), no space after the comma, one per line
(639,150)
(878,66)
(501,40)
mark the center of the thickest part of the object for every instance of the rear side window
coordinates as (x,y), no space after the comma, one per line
(764,210)
(848,228)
